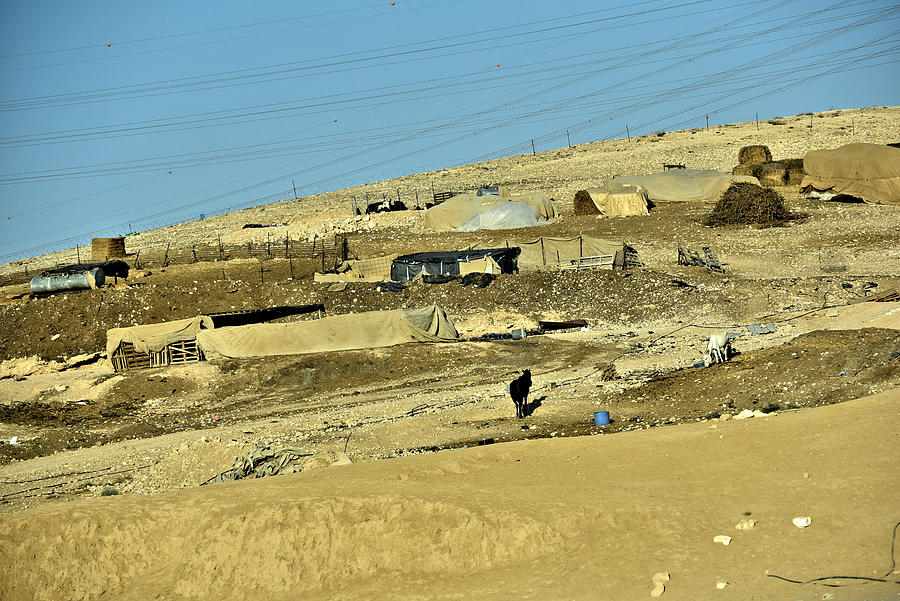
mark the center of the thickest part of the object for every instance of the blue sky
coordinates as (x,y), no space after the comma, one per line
(101,100)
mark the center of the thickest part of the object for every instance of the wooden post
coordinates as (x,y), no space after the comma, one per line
(757,121)
(532,147)
(268,245)
(417,198)
(194,252)
(568,139)
(543,256)
(707,122)
(627,133)
(221,250)
(137,260)
(78,254)
(287,239)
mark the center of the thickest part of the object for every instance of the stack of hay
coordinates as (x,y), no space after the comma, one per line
(757,161)
(104,249)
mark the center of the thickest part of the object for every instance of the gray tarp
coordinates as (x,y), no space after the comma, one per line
(508,216)
(341,332)
(869,171)
(685,185)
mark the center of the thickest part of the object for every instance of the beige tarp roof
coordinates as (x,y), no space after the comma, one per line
(552,251)
(341,332)
(455,212)
(870,171)
(155,336)
(685,185)
(617,199)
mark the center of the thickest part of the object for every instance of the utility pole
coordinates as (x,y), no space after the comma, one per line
(294,187)
(532,148)
(568,139)
(627,133)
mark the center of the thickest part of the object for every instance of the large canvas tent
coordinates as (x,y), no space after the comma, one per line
(457,211)
(199,337)
(612,199)
(158,344)
(338,333)
(408,267)
(580,251)
(507,216)
(685,185)
(869,171)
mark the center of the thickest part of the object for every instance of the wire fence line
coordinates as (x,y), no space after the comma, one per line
(323,254)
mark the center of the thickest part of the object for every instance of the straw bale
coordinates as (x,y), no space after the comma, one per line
(107,248)
(754,155)
(773,174)
(584,205)
(795,171)
(747,204)
(750,169)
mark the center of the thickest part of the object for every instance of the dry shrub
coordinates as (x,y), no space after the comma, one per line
(584,205)
(748,204)
(795,171)
(754,155)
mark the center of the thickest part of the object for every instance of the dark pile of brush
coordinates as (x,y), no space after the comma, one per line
(748,204)
(584,204)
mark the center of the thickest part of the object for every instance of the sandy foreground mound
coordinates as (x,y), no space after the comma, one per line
(580,518)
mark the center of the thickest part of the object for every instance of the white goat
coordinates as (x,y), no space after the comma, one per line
(718,349)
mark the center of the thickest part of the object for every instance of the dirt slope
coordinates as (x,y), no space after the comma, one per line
(581,518)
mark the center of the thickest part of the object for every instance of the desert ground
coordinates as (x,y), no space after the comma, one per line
(413,479)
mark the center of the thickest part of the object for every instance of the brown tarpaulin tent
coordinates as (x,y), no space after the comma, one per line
(869,171)
(341,332)
(563,251)
(156,336)
(685,185)
(455,212)
(615,199)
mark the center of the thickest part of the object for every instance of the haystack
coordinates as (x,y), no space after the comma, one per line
(746,204)
(754,155)
(795,171)
(773,174)
(751,169)
(103,249)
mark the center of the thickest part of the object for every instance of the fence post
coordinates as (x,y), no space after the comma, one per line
(78,254)
(532,148)
(221,250)
(417,198)
(268,246)
(287,240)
(194,252)
(166,257)
(345,250)
(137,259)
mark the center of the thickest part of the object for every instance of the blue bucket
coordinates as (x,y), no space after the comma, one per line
(601,418)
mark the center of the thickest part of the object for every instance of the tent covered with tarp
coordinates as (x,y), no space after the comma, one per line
(156,336)
(612,199)
(507,216)
(338,333)
(408,267)
(685,185)
(580,251)
(457,211)
(869,171)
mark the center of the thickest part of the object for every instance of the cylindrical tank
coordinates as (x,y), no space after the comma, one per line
(59,282)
